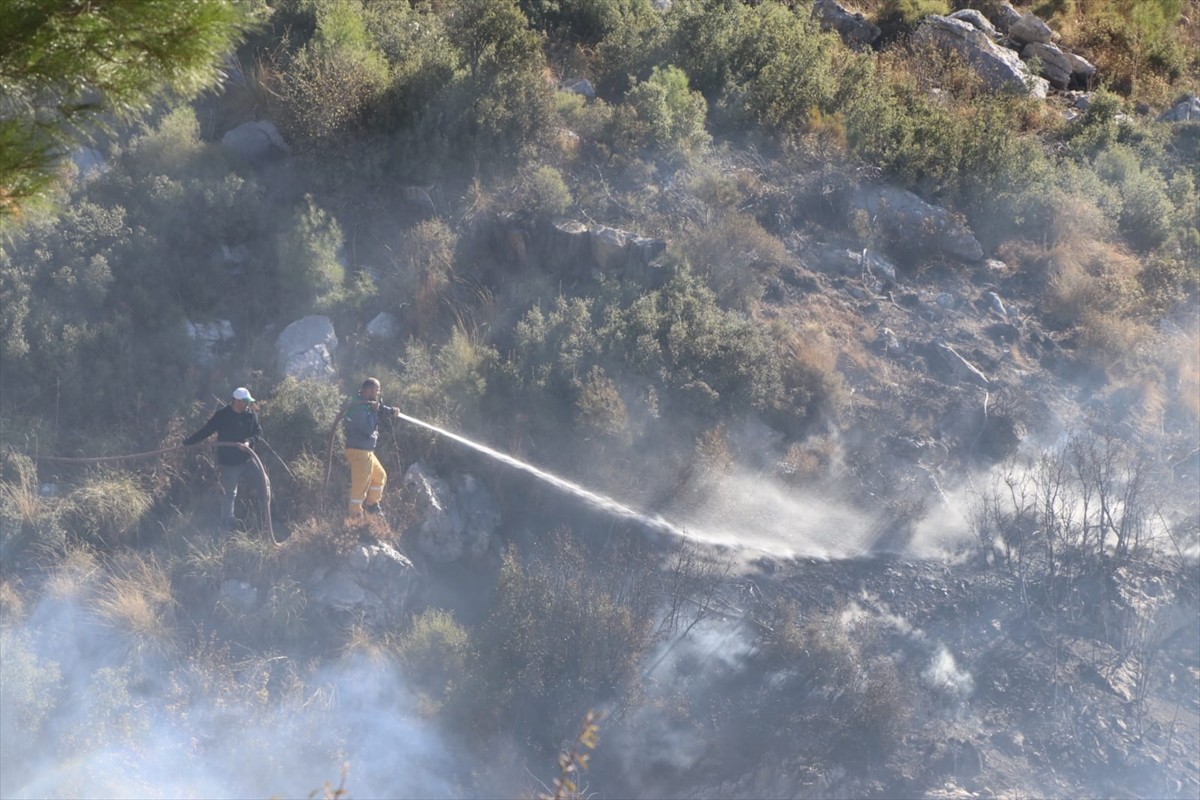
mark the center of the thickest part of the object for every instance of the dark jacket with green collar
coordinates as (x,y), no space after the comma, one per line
(361,423)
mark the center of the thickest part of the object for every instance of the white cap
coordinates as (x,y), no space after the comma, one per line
(242,393)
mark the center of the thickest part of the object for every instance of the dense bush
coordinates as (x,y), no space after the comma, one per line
(565,631)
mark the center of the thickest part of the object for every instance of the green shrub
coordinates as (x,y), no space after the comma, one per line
(331,84)
(447,386)
(599,411)
(566,631)
(896,16)
(667,116)
(421,274)
(544,191)
(435,652)
(309,260)
(736,256)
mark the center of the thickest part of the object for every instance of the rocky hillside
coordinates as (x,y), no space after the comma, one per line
(800,400)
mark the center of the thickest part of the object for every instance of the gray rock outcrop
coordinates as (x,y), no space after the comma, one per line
(1000,68)
(1185,110)
(1081,68)
(1004,17)
(374,582)
(384,327)
(575,250)
(977,20)
(1056,66)
(256,141)
(456,520)
(208,338)
(856,30)
(1029,28)
(305,349)
(914,227)
(580,86)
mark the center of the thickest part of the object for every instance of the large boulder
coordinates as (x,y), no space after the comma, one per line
(580,86)
(305,349)
(975,19)
(573,249)
(1057,67)
(1029,28)
(384,327)
(913,227)
(1000,68)
(624,254)
(456,520)
(1004,17)
(856,30)
(373,582)
(256,141)
(1082,69)
(568,243)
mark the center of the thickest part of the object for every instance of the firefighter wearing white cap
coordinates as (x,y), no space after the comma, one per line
(235,422)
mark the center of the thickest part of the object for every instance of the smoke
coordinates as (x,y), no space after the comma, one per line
(82,713)
(756,514)
(944,675)
(753,513)
(659,740)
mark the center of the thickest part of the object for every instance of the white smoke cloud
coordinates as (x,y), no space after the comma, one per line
(943,675)
(81,714)
(753,513)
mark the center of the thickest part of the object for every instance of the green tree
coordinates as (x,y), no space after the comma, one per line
(669,116)
(67,66)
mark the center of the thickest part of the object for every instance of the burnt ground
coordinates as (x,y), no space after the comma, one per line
(891,678)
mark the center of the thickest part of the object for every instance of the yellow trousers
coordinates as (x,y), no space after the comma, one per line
(367,479)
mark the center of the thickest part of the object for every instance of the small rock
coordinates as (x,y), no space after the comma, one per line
(580,86)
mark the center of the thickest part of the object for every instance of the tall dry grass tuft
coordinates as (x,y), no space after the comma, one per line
(138,601)
(363,643)
(108,506)
(75,576)
(30,525)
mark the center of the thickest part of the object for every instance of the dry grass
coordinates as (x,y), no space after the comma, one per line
(137,599)
(12,604)
(109,505)
(75,575)
(363,643)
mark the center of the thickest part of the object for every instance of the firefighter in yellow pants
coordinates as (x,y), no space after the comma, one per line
(361,426)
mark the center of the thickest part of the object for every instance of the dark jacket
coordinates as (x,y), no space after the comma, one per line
(230,426)
(361,424)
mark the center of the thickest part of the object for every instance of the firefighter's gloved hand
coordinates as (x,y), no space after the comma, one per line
(395,412)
